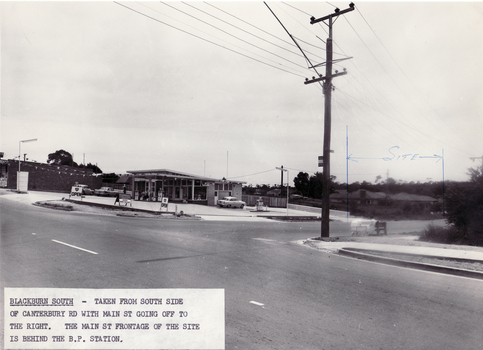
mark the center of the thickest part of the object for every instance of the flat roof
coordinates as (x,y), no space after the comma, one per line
(176,174)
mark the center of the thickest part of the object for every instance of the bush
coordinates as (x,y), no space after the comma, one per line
(464,207)
(446,235)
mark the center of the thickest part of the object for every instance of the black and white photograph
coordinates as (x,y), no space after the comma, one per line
(241,175)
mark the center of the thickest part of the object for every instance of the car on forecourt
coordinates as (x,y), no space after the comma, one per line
(231,202)
(86,190)
(106,192)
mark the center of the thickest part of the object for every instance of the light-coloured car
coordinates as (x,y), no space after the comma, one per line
(86,190)
(105,191)
(231,202)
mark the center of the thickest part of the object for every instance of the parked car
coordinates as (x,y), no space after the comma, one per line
(86,190)
(106,192)
(231,202)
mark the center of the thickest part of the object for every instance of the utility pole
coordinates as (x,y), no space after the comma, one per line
(281,180)
(327,89)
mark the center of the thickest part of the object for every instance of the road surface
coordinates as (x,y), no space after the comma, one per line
(279,294)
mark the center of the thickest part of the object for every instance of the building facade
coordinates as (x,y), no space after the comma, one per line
(46,177)
(177,186)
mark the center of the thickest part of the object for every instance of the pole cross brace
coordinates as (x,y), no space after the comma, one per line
(314,80)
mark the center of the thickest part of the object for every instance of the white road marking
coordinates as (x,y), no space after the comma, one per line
(232,218)
(73,246)
(265,239)
(256,303)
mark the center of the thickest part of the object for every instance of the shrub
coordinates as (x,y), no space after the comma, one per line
(448,235)
(464,207)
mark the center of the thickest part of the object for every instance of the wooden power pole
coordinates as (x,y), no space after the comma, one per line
(327,88)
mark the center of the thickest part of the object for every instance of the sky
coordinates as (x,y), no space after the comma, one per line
(217,88)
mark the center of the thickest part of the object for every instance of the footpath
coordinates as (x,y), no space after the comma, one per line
(395,248)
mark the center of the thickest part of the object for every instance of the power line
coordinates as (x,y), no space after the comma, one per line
(201,38)
(395,83)
(308,60)
(404,73)
(234,36)
(241,29)
(262,172)
(276,37)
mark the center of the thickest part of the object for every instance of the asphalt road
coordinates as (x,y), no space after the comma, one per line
(311,299)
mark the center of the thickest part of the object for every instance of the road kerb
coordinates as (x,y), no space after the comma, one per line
(360,254)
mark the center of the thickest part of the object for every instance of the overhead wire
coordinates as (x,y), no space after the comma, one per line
(399,88)
(234,36)
(241,29)
(247,56)
(274,36)
(288,33)
(413,128)
(204,39)
(397,64)
(262,172)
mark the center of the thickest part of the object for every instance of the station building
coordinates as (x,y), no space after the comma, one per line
(153,185)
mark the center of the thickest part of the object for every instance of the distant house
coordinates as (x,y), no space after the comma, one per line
(124,179)
(365,197)
(413,198)
(275,192)
(360,197)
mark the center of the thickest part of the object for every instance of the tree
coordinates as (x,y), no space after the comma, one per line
(110,178)
(316,185)
(316,182)
(94,167)
(464,207)
(301,183)
(61,157)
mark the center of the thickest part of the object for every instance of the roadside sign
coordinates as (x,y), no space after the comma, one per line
(164,204)
(76,192)
(22,181)
(321,159)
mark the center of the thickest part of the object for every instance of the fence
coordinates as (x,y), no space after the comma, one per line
(274,202)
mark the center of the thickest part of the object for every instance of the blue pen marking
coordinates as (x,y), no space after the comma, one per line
(403,157)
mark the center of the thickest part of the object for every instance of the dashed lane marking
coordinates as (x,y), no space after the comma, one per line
(256,303)
(73,246)
(232,218)
(264,239)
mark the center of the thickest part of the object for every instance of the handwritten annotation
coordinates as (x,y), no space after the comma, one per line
(401,157)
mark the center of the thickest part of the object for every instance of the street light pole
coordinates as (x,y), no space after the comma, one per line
(19,159)
(288,179)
